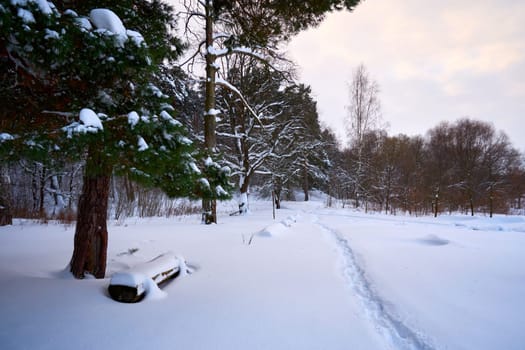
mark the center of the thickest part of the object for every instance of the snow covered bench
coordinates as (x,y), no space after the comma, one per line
(132,285)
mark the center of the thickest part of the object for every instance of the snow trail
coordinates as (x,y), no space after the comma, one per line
(396,333)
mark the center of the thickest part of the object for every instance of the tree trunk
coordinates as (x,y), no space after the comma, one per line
(491,202)
(5,216)
(57,195)
(277,199)
(5,198)
(42,187)
(305,182)
(210,140)
(91,234)
(208,216)
(243,198)
(277,189)
(34,189)
(329,199)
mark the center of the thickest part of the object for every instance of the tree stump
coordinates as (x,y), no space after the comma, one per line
(131,286)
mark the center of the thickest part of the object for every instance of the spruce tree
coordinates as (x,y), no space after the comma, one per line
(79,84)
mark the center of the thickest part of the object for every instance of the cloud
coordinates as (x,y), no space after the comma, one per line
(444,59)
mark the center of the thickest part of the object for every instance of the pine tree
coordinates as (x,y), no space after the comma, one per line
(82,88)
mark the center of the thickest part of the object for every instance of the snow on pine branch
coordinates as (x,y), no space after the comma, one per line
(142,144)
(91,120)
(6,137)
(106,21)
(45,7)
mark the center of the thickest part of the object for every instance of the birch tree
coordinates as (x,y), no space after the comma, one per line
(363,117)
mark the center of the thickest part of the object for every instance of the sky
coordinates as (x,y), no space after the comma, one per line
(433,60)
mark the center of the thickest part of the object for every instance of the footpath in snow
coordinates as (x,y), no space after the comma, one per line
(315,278)
(389,325)
(454,282)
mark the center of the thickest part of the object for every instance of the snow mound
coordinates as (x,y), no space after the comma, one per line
(277,228)
(433,240)
(499,223)
(289,221)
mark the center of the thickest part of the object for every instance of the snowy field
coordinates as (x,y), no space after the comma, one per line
(315,278)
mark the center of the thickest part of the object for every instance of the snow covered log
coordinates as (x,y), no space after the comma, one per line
(131,286)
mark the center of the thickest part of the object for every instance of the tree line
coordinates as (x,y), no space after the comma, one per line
(466,166)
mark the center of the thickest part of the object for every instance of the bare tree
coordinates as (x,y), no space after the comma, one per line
(516,187)
(364,115)
(364,110)
(497,161)
(439,165)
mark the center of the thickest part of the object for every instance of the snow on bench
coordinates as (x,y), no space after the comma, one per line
(131,286)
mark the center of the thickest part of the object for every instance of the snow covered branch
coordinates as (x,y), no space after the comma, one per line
(227,85)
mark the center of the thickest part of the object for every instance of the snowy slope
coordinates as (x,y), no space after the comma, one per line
(315,278)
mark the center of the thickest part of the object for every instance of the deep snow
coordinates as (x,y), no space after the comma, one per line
(315,278)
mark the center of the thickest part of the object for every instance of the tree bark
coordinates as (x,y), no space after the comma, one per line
(210,140)
(305,182)
(243,198)
(277,188)
(91,234)
(42,187)
(5,197)
(491,202)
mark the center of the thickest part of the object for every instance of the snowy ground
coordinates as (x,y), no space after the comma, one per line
(315,278)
